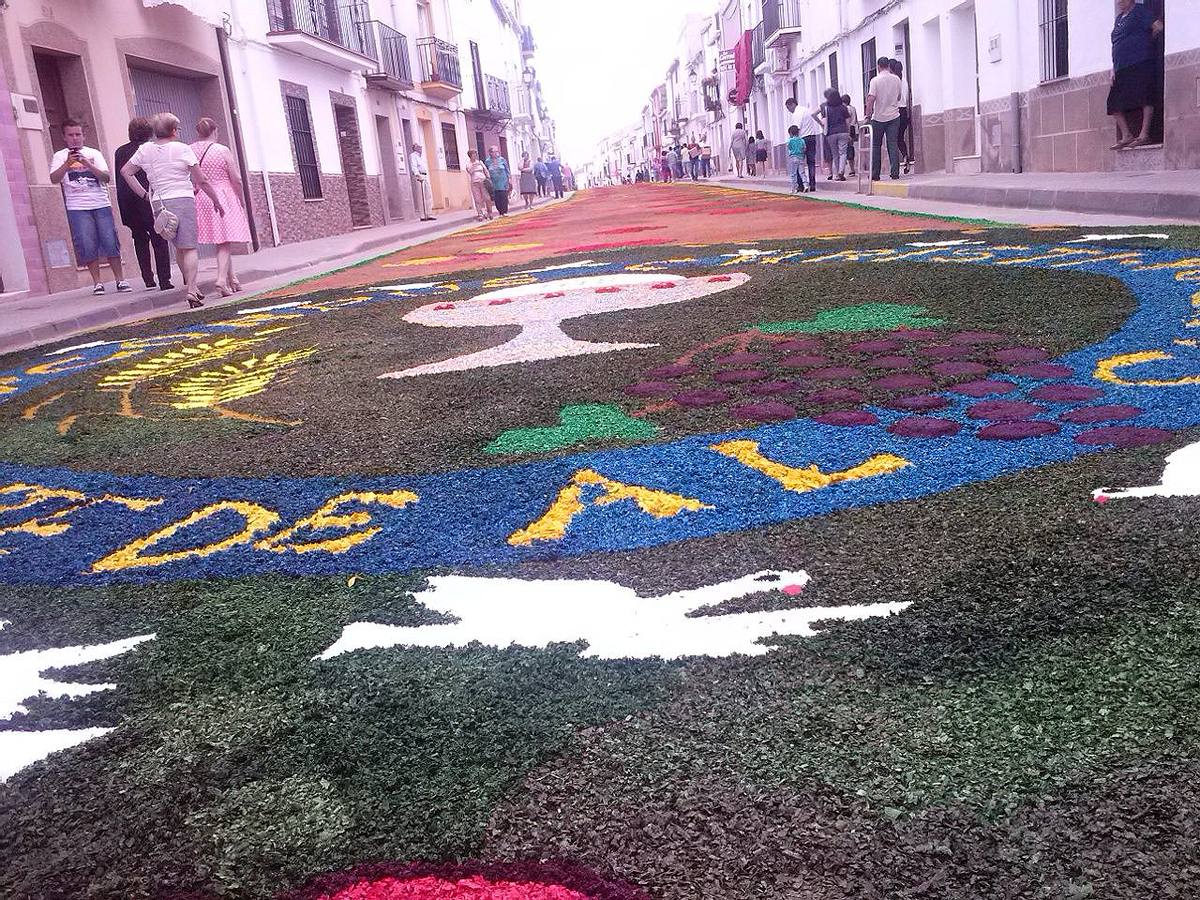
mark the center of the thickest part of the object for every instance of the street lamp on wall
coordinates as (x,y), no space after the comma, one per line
(527,76)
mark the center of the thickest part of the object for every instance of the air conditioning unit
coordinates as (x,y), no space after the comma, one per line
(28,112)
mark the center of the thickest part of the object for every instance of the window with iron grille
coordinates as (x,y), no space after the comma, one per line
(300,128)
(1054,39)
(869,66)
(450,142)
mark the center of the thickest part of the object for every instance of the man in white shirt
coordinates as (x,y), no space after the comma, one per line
(810,130)
(883,111)
(420,176)
(82,173)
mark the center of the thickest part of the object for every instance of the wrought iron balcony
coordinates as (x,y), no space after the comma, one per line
(324,31)
(781,21)
(528,47)
(498,102)
(441,75)
(395,70)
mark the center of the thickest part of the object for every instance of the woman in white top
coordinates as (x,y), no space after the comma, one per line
(174,174)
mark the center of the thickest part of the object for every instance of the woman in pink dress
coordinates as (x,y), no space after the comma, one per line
(218,165)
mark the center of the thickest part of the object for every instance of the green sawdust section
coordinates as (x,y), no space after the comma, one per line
(864,317)
(577,425)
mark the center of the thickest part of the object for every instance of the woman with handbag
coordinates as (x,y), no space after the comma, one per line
(481,186)
(220,168)
(173,172)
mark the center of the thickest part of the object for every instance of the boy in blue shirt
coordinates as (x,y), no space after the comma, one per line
(796,151)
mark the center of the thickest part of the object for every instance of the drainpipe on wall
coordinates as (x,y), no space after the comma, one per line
(239,145)
(1018,166)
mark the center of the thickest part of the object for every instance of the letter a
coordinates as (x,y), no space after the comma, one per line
(569,503)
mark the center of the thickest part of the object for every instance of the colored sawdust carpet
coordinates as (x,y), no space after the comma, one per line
(623,217)
(767,566)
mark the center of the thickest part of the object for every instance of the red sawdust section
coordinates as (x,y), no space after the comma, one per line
(593,220)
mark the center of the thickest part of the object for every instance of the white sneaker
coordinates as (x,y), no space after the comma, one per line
(123,287)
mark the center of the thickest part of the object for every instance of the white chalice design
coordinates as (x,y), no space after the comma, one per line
(540,309)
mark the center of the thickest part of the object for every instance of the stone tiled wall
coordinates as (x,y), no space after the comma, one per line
(306,220)
(1066,127)
(1181,127)
(18,185)
(959,134)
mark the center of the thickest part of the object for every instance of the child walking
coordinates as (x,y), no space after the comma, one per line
(796,160)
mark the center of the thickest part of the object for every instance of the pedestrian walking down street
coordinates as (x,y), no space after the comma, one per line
(82,174)
(851,151)
(481,186)
(497,166)
(738,147)
(664,168)
(883,112)
(694,160)
(420,177)
(174,175)
(706,160)
(528,184)
(542,175)
(680,162)
(568,177)
(906,156)
(751,156)
(762,154)
(216,161)
(811,130)
(136,214)
(837,133)
(796,150)
(554,167)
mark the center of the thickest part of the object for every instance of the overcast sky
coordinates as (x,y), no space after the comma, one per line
(598,61)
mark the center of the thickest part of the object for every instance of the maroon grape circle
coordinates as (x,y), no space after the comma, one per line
(1016,431)
(1089,415)
(905,382)
(835,373)
(1122,436)
(847,417)
(1065,393)
(763,412)
(693,399)
(919,402)
(945,351)
(892,363)
(1004,410)
(984,388)
(738,376)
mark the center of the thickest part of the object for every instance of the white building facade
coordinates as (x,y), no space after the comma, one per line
(996,85)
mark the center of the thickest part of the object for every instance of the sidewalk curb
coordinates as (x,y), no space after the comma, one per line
(146,304)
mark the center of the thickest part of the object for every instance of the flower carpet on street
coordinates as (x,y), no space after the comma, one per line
(854,565)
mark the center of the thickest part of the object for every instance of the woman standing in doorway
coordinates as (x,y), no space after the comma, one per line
(1132,89)
(174,175)
(222,231)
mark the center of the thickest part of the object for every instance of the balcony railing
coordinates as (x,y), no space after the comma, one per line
(395,68)
(347,26)
(497,96)
(528,47)
(758,51)
(439,62)
(780,18)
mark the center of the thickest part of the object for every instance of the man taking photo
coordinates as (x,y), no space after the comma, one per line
(82,173)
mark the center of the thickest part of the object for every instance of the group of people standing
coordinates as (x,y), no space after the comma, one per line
(169,193)
(491,181)
(680,161)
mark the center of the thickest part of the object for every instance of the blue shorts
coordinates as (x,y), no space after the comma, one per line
(94,234)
